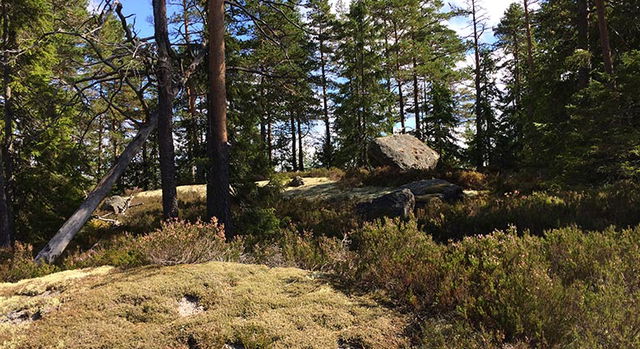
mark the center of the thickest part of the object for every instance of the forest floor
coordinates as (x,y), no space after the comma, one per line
(211,305)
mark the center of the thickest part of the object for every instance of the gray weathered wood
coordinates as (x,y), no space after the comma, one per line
(70,228)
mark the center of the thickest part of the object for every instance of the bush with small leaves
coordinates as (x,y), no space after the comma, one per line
(17,263)
(179,242)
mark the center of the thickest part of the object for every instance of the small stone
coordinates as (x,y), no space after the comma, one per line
(189,305)
(297,181)
(115,204)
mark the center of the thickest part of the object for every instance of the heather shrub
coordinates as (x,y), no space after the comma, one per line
(120,251)
(593,209)
(465,178)
(17,263)
(302,250)
(323,218)
(569,288)
(180,242)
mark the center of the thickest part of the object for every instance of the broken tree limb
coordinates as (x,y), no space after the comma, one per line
(107,220)
(70,228)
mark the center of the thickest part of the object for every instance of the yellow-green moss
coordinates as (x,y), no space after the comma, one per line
(138,308)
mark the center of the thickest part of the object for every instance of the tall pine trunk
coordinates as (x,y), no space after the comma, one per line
(294,156)
(6,172)
(300,152)
(605,43)
(218,201)
(527,20)
(399,80)
(583,41)
(416,102)
(165,111)
(269,142)
(325,107)
(478,88)
(192,125)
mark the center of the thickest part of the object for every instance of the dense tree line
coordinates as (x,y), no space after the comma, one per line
(241,90)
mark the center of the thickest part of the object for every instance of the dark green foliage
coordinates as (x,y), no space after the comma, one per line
(441,122)
(593,209)
(362,104)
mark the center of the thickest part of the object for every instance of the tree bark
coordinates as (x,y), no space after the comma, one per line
(70,228)
(218,204)
(527,19)
(192,125)
(583,41)
(416,102)
(325,106)
(399,80)
(269,142)
(6,172)
(300,152)
(478,87)
(294,157)
(516,70)
(165,111)
(604,37)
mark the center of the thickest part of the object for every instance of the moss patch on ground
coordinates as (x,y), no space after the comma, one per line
(192,306)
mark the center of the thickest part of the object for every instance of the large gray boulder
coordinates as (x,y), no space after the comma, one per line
(427,189)
(403,152)
(400,203)
(115,204)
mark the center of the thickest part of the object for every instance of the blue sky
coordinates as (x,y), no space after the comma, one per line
(143,13)
(492,9)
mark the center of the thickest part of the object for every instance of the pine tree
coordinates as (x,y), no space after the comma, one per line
(511,35)
(362,103)
(322,22)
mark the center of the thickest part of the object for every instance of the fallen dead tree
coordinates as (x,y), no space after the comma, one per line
(116,70)
(71,227)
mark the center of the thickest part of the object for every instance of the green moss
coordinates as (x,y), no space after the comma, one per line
(256,306)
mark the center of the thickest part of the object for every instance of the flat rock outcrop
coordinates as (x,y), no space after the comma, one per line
(426,189)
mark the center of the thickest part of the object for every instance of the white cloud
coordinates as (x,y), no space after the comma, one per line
(93,6)
(490,10)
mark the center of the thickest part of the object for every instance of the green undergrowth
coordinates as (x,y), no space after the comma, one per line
(591,209)
(568,288)
(554,268)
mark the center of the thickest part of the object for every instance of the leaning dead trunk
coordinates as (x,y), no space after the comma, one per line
(71,227)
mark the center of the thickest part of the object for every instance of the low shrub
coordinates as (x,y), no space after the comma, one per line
(322,218)
(569,288)
(180,242)
(313,253)
(593,209)
(467,179)
(17,263)
(119,251)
